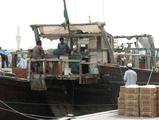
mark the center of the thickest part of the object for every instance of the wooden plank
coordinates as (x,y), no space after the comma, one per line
(131,36)
(61,69)
(80,73)
(77,24)
(53,60)
(71,35)
(29,69)
(131,54)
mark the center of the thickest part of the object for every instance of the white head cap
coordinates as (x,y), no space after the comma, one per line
(129,65)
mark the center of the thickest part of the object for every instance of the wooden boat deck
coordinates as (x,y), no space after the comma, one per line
(109,115)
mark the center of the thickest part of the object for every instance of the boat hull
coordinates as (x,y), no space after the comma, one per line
(113,76)
(61,98)
(16,98)
(69,97)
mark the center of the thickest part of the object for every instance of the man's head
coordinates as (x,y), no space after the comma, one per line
(129,65)
(39,42)
(61,40)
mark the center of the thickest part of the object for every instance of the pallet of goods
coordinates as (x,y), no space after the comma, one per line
(138,100)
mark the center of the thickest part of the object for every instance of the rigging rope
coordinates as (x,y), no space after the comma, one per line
(18,111)
(150,76)
(60,104)
(49,117)
(23,114)
(21,74)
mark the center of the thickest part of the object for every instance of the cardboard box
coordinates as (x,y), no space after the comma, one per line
(148,89)
(157,87)
(132,108)
(122,89)
(132,113)
(157,95)
(148,114)
(157,112)
(148,96)
(121,100)
(131,103)
(157,107)
(121,111)
(139,100)
(148,102)
(121,106)
(148,108)
(131,96)
(122,95)
(132,90)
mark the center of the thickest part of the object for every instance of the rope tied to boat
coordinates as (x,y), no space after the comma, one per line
(22,73)
(38,117)
(150,76)
(121,73)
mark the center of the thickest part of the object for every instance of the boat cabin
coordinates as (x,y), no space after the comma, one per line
(89,45)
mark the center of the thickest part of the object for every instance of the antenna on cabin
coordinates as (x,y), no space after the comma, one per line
(89,19)
(103,9)
(18,37)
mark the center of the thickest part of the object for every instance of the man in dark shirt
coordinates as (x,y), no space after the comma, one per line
(63,47)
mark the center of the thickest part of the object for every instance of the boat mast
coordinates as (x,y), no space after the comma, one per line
(36,33)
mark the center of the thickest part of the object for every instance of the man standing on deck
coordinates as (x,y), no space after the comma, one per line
(38,52)
(63,47)
(130,76)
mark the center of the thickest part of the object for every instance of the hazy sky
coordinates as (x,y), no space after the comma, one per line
(122,17)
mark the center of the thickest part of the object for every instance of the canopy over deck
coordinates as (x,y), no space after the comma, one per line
(54,31)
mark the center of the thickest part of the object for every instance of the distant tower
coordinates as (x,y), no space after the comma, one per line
(18,38)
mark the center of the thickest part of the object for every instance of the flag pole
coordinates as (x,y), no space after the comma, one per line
(66,16)
(66,13)
(67,21)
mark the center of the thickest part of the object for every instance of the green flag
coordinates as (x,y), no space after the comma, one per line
(65,13)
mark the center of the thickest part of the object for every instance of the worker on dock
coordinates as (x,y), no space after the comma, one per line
(63,47)
(130,76)
(4,58)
